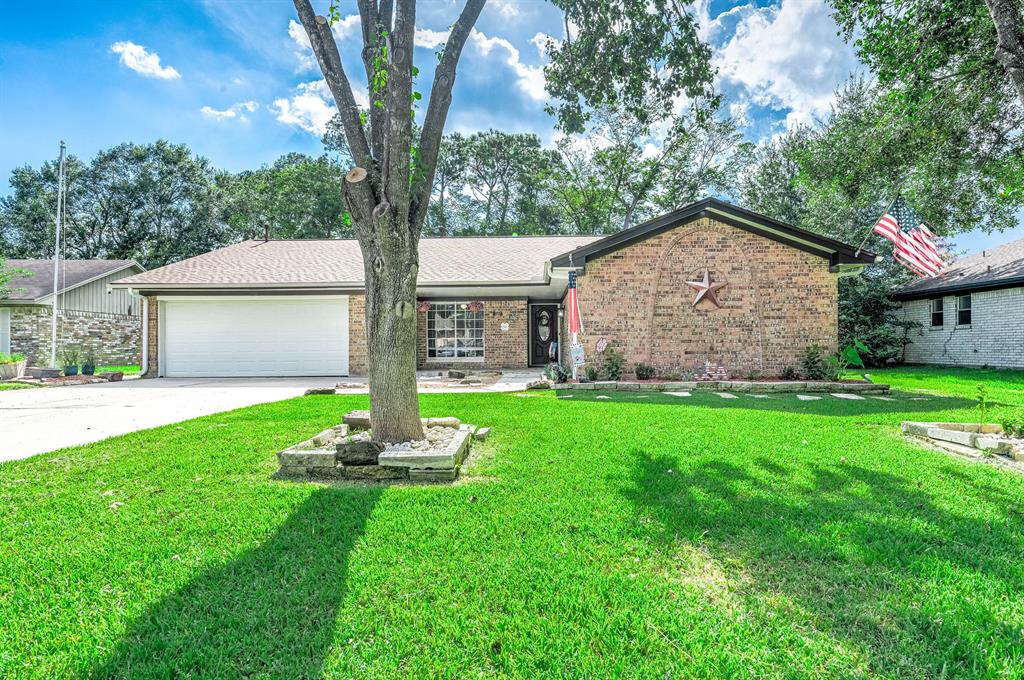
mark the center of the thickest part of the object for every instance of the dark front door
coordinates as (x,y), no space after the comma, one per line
(543,333)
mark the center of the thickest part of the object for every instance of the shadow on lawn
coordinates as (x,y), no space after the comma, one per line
(785,402)
(867,556)
(269,612)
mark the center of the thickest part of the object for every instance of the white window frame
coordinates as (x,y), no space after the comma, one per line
(969,310)
(458,308)
(941,311)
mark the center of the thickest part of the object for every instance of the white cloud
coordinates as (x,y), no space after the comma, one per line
(540,41)
(311,106)
(784,57)
(529,79)
(342,29)
(425,37)
(142,61)
(507,9)
(237,110)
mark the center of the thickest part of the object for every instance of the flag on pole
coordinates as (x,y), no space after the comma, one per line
(573,304)
(913,242)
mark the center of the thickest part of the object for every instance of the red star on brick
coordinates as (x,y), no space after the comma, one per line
(706,289)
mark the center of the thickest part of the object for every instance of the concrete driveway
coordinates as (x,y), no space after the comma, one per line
(40,420)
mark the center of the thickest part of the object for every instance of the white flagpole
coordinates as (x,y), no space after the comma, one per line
(56,256)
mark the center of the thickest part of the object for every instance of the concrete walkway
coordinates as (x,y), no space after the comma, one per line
(39,420)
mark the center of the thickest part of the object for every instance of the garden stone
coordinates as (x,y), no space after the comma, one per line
(726,395)
(602,396)
(807,397)
(955,436)
(357,419)
(456,374)
(441,422)
(678,394)
(482,433)
(538,385)
(431,475)
(843,395)
(112,376)
(306,458)
(372,472)
(359,451)
(319,390)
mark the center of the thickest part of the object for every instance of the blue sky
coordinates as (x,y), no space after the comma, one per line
(233,81)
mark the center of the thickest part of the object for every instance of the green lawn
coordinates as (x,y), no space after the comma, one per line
(127,370)
(638,536)
(15,386)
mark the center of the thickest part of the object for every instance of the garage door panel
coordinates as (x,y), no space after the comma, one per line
(260,337)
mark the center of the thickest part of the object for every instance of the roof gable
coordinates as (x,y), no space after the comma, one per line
(837,253)
(73,273)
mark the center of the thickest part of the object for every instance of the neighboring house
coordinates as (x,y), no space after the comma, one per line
(972,314)
(297,307)
(90,316)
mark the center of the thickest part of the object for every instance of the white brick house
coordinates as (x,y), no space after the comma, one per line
(972,314)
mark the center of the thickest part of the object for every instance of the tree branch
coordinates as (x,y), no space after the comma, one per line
(326,51)
(437,109)
(398,136)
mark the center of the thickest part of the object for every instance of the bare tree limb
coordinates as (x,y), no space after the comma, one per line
(437,109)
(398,136)
(326,51)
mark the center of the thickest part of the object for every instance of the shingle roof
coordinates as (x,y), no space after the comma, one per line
(999,267)
(72,273)
(484,259)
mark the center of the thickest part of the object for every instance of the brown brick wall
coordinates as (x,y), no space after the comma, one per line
(778,301)
(152,367)
(501,350)
(112,338)
(357,335)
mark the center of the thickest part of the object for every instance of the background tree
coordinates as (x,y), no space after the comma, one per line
(8,274)
(631,47)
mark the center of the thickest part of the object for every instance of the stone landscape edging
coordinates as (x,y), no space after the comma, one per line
(753,386)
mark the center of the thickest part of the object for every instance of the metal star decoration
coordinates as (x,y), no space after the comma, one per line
(706,289)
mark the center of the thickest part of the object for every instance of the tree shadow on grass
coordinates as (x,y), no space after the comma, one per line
(270,612)
(870,557)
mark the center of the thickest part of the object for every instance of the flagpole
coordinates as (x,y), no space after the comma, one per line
(872,227)
(56,257)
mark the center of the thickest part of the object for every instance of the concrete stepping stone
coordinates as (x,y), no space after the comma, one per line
(881,398)
(602,396)
(678,394)
(844,395)
(565,396)
(807,397)
(726,395)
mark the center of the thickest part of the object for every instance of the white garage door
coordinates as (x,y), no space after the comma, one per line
(254,337)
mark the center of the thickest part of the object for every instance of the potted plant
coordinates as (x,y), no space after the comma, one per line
(89,363)
(69,359)
(11,366)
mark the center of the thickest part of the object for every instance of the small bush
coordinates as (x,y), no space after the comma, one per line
(70,357)
(556,373)
(1013,424)
(812,363)
(833,368)
(11,358)
(591,373)
(643,371)
(790,373)
(613,363)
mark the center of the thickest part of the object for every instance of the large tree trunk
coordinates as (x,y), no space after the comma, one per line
(1008,16)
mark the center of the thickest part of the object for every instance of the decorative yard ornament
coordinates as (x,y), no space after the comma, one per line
(706,289)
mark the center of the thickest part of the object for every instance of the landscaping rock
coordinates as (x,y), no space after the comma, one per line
(441,422)
(482,433)
(451,456)
(538,385)
(319,390)
(471,381)
(330,436)
(112,376)
(430,475)
(357,419)
(358,450)
(456,374)
(372,472)
(306,458)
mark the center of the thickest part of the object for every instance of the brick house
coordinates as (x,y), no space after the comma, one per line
(91,317)
(972,314)
(297,307)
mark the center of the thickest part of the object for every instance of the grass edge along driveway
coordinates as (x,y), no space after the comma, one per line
(629,537)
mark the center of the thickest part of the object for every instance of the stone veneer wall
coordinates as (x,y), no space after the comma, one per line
(994,338)
(778,301)
(357,335)
(501,350)
(112,338)
(152,368)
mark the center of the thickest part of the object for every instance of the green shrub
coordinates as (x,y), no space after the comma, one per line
(591,373)
(790,373)
(11,358)
(613,363)
(643,371)
(556,373)
(70,357)
(812,363)
(1013,424)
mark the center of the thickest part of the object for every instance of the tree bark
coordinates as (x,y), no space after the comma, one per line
(1007,17)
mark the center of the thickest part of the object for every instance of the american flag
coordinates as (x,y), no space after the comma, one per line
(574,305)
(913,242)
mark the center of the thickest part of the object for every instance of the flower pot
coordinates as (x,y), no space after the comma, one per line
(12,370)
(88,369)
(71,370)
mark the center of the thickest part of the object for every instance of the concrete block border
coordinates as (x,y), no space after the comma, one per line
(966,438)
(742,386)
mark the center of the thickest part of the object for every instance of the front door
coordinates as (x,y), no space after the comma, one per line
(543,333)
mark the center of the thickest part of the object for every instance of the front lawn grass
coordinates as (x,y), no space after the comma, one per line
(628,537)
(127,370)
(16,386)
